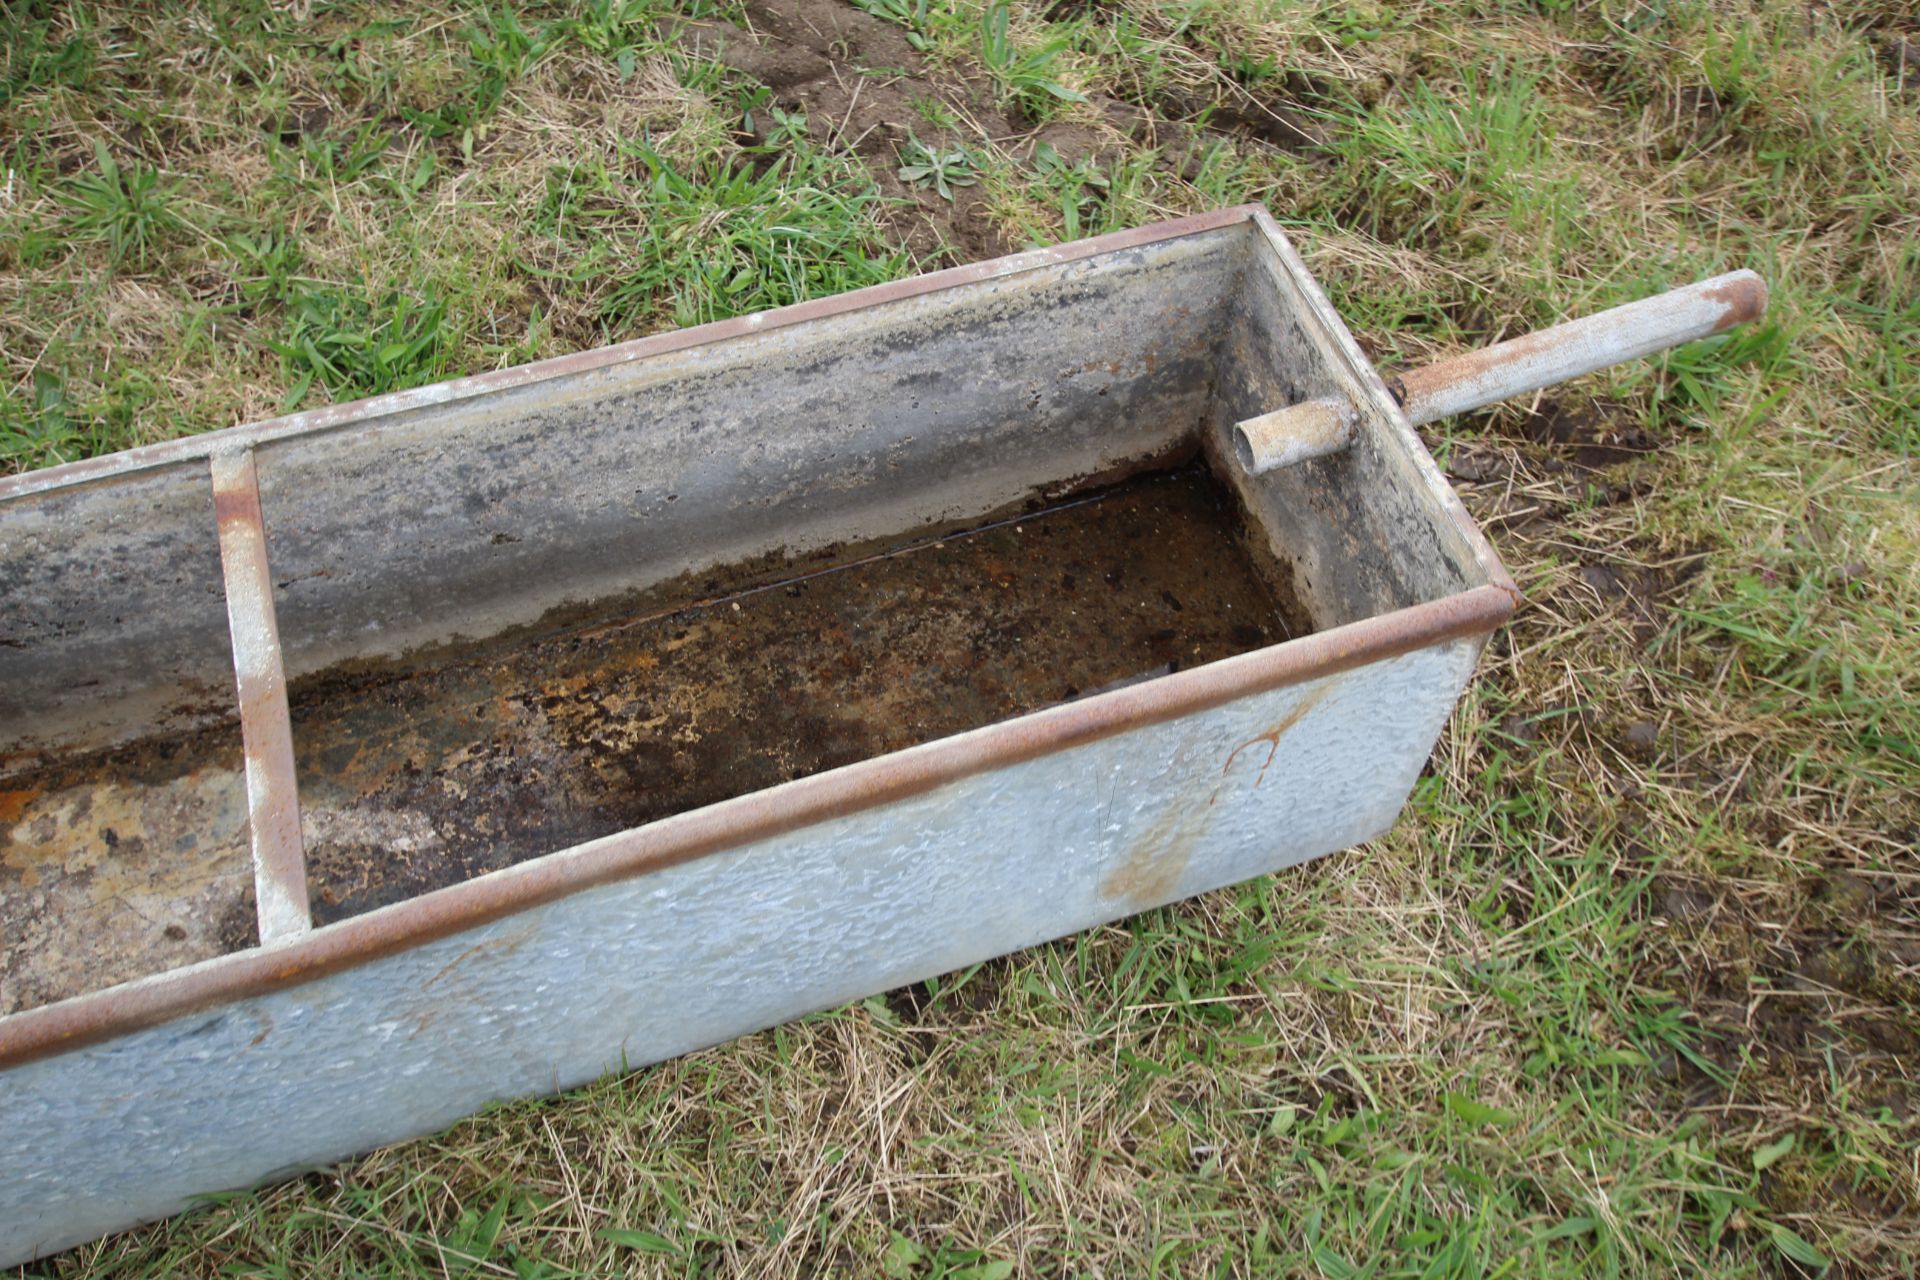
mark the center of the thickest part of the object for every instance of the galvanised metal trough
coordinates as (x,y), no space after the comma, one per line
(364,766)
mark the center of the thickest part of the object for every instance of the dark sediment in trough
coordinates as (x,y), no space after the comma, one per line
(416,779)
(423,772)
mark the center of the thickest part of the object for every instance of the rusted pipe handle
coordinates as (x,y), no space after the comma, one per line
(1568,350)
(1316,428)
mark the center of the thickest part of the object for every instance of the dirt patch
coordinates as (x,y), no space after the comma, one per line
(1585,436)
(1235,111)
(1895,37)
(1786,991)
(1900,54)
(1529,473)
(1560,434)
(863,88)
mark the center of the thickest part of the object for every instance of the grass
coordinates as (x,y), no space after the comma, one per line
(1632,987)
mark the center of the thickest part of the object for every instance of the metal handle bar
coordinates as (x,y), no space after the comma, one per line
(1315,428)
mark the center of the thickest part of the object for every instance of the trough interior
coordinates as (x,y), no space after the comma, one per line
(123,862)
(123,809)
(531,617)
(421,775)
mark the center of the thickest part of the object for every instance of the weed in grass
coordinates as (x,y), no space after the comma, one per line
(267,266)
(35,55)
(784,128)
(614,27)
(501,49)
(355,345)
(39,433)
(632,27)
(342,158)
(1478,171)
(721,238)
(1024,76)
(133,210)
(1251,71)
(911,14)
(576,199)
(936,113)
(1077,186)
(943,169)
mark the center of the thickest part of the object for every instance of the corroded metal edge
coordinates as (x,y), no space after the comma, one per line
(1410,454)
(193,448)
(56,1028)
(266,726)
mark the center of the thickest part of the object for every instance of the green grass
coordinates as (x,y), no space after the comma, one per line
(1632,987)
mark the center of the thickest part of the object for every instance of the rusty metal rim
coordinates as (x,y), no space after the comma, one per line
(146,1002)
(194,448)
(260,681)
(1322,312)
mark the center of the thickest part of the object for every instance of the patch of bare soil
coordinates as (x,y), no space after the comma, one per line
(1561,436)
(862,87)
(1901,56)
(1793,998)
(1894,33)
(1586,437)
(1524,477)
(857,80)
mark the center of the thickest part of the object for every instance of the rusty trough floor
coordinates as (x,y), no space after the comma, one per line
(121,864)
(412,783)
(418,775)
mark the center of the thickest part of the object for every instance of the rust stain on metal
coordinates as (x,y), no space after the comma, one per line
(1424,383)
(1745,299)
(1417,385)
(14,803)
(273,806)
(509,943)
(1272,736)
(236,505)
(1150,874)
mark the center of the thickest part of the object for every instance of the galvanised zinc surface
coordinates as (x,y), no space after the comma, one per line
(128,1129)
